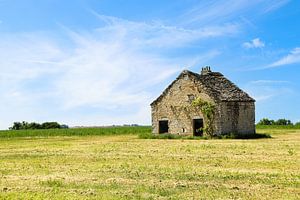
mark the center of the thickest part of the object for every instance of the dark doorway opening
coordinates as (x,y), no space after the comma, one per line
(163,126)
(198,127)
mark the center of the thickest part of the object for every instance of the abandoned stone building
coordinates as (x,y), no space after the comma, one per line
(234,109)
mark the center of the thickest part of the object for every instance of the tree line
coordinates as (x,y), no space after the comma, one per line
(33,125)
(285,122)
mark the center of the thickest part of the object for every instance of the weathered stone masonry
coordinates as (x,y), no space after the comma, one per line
(235,109)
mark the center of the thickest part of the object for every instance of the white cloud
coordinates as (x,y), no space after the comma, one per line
(292,58)
(264,93)
(260,82)
(265,90)
(276,5)
(255,43)
(115,68)
(222,11)
(156,34)
(214,11)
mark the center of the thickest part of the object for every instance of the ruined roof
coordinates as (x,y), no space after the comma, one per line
(215,85)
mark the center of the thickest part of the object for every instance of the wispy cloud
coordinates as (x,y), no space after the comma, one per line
(224,11)
(259,82)
(114,68)
(292,58)
(123,59)
(266,93)
(265,90)
(255,43)
(213,11)
(157,34)
(276,5)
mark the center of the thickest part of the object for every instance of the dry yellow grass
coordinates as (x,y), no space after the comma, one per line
(125,167)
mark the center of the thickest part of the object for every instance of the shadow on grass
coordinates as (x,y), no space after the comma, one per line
(230,136)
(245,136)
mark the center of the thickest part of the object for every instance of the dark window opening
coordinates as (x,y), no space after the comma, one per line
(198,127)
(163,126)
(191,98)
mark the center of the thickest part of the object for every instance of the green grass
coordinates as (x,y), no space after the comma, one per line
(121,166)
(143,131)
(118,130)
(278,126)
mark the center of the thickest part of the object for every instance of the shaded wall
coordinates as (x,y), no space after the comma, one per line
(237,117)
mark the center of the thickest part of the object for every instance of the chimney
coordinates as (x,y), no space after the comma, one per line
(205,70)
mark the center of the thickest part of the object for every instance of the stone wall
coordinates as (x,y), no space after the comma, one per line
(175,107)
(239,117)
(236,117)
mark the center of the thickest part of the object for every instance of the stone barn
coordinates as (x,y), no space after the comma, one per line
(234,108)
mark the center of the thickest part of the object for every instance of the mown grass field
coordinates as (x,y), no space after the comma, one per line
(122,166)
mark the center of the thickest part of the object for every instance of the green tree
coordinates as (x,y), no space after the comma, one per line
(283,122)
(25,125)
(50,125)
(266,121)
(16,126)
(34,125)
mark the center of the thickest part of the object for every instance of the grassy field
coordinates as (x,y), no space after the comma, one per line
(118,130)
(117,166)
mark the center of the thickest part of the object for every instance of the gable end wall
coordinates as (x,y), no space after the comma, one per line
(173,107)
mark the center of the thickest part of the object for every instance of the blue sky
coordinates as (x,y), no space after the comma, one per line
(101,62)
